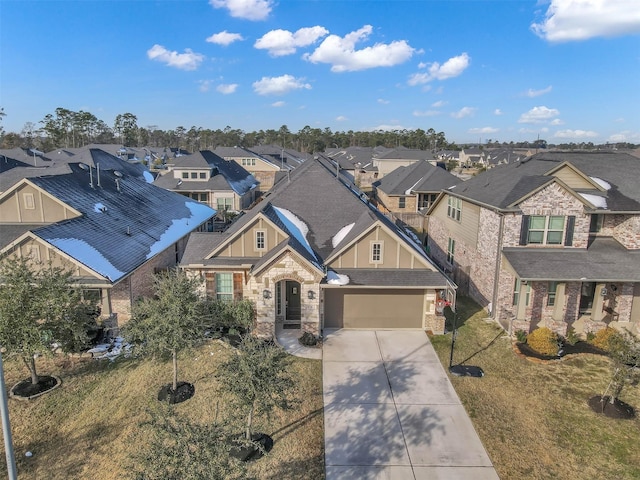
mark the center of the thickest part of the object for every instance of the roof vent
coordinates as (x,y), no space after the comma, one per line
(83,166)
(118,173)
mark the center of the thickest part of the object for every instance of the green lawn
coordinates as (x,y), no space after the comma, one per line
(88,427)
(533,419)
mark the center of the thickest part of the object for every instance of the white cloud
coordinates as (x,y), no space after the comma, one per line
(283,42)
(556,121)
(497,111)
(228,88)
(224,38)
(205,85)
(568,20)
(464,112)
(625,136)
(439,104)
(449,69)
(531,93)
(188,60)
(279,85)
(382,101)
(426,113)
(484,130)
(278,104)
(577,134)
(540,114)
(341,53)
(247,9)
(341,118)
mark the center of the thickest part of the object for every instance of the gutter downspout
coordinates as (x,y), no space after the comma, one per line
(496,275)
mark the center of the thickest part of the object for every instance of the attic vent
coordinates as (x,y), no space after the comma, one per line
(118,173)
(83,166)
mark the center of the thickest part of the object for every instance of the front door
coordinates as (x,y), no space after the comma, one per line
(586,296)
(292,305)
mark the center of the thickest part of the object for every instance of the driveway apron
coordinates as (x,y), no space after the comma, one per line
(390,411)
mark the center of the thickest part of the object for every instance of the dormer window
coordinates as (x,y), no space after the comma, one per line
(203,175)
(185,174)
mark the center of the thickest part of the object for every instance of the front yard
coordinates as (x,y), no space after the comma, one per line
(532,418)
(89,427)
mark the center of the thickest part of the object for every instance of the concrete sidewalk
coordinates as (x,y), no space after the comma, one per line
(390,411)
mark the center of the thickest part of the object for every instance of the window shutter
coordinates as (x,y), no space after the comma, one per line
(568,237)
(237,286)
(524,229)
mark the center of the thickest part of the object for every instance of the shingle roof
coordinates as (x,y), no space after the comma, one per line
(393,278)
(605,260)
(406,153)
(9,233)
(124,222)
(501,186)
(418,177)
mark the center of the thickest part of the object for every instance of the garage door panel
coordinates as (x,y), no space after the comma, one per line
(373,308)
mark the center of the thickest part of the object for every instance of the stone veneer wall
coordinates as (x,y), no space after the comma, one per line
(392,202)
(287,267)
(624,228)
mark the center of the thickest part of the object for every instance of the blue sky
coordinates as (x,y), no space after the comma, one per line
(565,70)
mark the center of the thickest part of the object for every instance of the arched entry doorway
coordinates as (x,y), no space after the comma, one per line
(288,305)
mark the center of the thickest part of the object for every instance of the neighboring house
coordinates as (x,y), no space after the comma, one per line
(313,255)
(552,240)
(356,164)
(109,225)
(287,158)
(400,157)
(216,182)
(473,156)
(265,171)
(414,188)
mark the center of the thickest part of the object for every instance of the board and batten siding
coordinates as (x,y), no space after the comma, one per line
(572,179)
(30,205)
(244,245)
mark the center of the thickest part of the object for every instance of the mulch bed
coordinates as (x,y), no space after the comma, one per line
(261,443)
(580,347)
(617,409)
(26,389)
(183,392)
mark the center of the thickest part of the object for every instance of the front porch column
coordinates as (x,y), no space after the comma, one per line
(522,301)
(597,314)
(558,308)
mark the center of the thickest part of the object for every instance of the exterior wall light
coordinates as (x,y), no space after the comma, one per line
(311,294)
(266,294)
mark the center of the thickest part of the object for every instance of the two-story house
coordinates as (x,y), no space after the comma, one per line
(400,157)
(216,182)
(313,254)
(552,240)
(264,170)
(105,222)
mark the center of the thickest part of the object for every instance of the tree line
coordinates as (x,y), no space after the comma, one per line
(69,129)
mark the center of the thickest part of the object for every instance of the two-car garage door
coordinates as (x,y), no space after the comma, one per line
(373,308)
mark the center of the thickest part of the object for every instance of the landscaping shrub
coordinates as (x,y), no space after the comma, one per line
(590,337)
(572,337)
(602,338)
(521,336)
(308,339)
(544,341)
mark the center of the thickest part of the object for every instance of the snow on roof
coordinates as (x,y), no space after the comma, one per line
(87,255)
(595,200)
(334,278)
(343,232)
(408,190)
(181,227)
(602,183)
(99,208)
(148,176)
(296,227)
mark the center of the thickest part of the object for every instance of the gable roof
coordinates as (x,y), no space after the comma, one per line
(417,177)
(124,222)
(406,154)
(324,204)
(225,174)
(500,187)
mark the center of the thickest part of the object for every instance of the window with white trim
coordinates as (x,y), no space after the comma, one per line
(185,174)
(546,230)
(29,202)
(402,202)
(520,287)
(224,286)
(454,208)
(34,253)
(260,240)
(376,252)
(551,293)
(451,250)
(224,204)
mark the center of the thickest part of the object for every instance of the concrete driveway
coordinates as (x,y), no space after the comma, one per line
(390,411)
